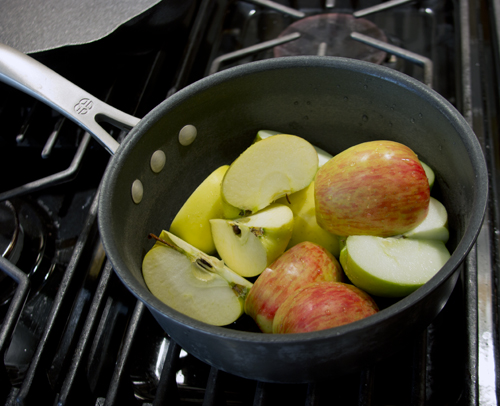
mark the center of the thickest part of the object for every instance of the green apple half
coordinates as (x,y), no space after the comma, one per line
(249,244)
(194,283)
(434,226)
(268,170)
(391,267)
(191,222)
(431,177)
(323,156)
(305,226)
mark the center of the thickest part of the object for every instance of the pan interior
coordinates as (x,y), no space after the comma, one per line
(334,103)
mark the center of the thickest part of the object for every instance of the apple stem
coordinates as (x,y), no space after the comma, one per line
(175,247)
(151,235)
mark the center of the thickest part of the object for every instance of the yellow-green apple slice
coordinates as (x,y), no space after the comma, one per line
(391,267)
(323,156)
(434,226)
(191,223)
(374,188)
(431,177)
(268,170)
(304,263)
(305,226)
(194,283)
(322,305)
(248,244)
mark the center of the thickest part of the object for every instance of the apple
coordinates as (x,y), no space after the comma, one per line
(322,305)
(435,224)
(431,177)
(323,156)
(374,188)
(268,170)
(194,283)
(304,263)
(249,244)
(305,226)
(191,222)
(391,267)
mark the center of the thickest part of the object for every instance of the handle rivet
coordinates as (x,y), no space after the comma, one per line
(137,191)
(158,160)
(187,134)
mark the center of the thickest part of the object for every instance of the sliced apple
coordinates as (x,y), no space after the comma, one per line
(391,267)
(194,283)
(434,226)
(430,174)
(305,226)
(268,170)
(191,223)
(323,156)
(248,244)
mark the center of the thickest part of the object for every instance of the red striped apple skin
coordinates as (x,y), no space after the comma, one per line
(375,188)
(322,305)
(302,264)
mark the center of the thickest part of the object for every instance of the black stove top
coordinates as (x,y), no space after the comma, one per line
(72,333)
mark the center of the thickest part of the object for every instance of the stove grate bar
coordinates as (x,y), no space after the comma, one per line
(54,179)
(13,312)
(35,377)
(98,302)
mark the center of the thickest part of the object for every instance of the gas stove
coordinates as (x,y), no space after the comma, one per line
(70,331)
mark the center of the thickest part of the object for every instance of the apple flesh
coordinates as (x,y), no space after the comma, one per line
(322,305)
(323,156)
(434,226)
(194,283)
(391,267)
(268,170)
(305,226)
(431,176)
(191,222)
(304,263)
(374,188)
(249,244)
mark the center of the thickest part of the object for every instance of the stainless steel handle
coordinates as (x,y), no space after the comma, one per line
(30,76)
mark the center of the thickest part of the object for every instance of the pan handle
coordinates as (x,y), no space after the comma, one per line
(31,77)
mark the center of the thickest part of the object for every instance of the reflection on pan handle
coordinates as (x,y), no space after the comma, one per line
(30,76)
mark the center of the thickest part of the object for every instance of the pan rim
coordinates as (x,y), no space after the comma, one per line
(458,256)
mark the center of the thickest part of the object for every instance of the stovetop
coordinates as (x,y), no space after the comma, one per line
(72,334)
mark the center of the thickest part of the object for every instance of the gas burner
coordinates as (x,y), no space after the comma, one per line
(330,35)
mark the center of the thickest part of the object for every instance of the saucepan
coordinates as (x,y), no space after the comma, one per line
(332,102)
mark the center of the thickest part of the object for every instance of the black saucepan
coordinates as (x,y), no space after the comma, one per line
(332,102)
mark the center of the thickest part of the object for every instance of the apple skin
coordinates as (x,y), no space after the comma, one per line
(322,305)
(375,188)
(304,263)
(192,221)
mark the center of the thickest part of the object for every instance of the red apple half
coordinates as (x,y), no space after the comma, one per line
(375,188)
(322,305)
(302,264)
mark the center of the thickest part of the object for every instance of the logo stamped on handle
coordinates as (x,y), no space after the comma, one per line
(83,106)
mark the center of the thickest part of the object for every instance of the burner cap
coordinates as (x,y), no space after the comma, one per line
(329,35)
